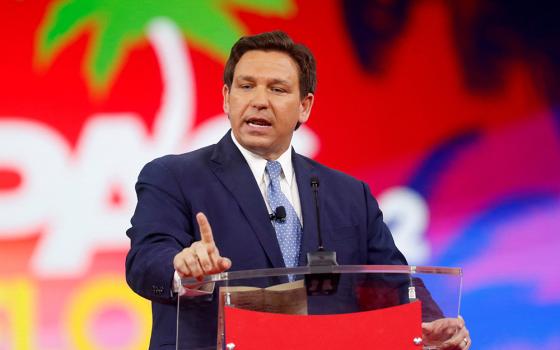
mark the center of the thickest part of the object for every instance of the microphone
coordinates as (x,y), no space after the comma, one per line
(279,214)
(321,280)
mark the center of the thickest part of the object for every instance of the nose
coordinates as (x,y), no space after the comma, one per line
(259,99)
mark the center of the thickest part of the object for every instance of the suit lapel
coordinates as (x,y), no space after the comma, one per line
(232,169)
(304,172)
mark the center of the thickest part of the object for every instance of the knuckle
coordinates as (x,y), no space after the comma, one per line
(192,262)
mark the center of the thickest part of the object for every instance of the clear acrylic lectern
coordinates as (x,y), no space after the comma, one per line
(327,307)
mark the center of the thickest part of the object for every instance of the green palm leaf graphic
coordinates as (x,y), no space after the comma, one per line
(116,26)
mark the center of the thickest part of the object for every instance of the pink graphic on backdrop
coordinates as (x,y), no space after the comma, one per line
(113,328)
(552,344)
(506,162)
(522,251)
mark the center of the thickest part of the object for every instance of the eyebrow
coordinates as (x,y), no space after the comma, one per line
(273,81)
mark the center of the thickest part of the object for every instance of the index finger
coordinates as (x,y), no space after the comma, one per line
(205,230)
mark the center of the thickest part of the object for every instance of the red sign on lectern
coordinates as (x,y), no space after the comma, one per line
(389,328)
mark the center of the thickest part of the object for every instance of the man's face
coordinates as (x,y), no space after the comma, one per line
(264,103)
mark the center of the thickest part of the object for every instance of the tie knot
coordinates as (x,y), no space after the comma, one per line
(274,169)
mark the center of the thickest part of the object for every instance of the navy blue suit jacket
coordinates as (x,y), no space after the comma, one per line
(217,180)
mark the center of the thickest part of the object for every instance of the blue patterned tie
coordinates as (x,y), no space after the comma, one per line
(288,231)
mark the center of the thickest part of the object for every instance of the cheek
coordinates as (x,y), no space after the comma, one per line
(237,106)
(234,111)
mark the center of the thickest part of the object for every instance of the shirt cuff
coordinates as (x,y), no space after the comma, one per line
(191,291)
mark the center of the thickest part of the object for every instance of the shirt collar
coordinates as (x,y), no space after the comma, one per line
(258,163)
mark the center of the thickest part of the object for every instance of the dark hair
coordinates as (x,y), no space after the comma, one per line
(276,41)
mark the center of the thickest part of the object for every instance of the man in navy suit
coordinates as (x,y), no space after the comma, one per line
(268,89)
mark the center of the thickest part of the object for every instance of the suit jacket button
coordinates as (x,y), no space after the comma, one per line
(156,290)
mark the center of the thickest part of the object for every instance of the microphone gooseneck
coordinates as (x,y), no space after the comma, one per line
(315,186)
(321,280)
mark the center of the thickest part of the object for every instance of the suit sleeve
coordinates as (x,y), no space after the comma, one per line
(381,249)
(161,227)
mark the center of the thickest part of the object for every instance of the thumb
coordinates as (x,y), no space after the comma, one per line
(428,327)
(461,321)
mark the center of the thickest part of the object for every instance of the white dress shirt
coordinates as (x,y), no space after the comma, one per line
(288,182)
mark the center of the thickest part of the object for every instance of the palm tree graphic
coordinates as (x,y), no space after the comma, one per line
(118,25)
(112,147)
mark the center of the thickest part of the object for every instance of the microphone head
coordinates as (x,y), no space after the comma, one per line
(280,213)
(315,181)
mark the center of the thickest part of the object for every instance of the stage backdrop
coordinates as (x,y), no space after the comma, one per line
(446,108)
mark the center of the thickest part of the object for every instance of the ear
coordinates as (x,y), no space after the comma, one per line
(225,94)
(305,107)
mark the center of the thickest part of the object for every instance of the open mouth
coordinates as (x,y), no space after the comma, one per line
(259,122)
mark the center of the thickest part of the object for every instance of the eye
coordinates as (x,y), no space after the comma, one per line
(244,85)
(278,89)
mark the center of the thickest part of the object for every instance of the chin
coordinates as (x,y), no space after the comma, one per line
(252,140)
(258,147)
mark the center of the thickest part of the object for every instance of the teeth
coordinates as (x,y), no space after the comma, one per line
(258,123)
